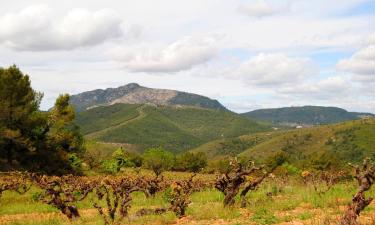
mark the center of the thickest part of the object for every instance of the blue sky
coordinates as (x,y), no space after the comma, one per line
(248,54)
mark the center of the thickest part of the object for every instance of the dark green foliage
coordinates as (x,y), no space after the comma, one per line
(31,139)
(75,162)
(64,135)
(20,121)
(302,115)
(193,162)
(158,160)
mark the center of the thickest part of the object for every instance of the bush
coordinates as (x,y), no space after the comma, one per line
(158,160)
(291,170)
(75,162)
(192,162)
(110,166)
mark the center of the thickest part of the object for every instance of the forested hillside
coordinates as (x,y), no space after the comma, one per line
(316,147)
(308,115)
(174,127)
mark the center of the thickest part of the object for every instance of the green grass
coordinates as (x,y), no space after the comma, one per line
(263,216)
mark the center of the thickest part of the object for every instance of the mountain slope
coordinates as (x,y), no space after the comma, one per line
(233,146)
(135,94)
(340,143)
(177,128)
(316,147)
(310,115)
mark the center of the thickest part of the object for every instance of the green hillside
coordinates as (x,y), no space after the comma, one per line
(97,118)
(235,145)
(316,146)
(304,115)
(174,127)
(340,143)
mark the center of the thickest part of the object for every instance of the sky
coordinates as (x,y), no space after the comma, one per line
(248,54)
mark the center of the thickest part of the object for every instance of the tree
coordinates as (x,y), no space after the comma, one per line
(271,164)
(20,120)
(63,133)
(62,141)
(158,160)
(31,139)
(192,162)
(121,158)
(365,176)
(230,182)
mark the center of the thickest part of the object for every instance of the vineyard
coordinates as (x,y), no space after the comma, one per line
(245,194)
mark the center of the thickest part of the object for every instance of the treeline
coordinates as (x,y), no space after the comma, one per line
(32,139)
(160,160)
(156,159)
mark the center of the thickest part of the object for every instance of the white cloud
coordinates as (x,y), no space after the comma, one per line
(33,29)
(180,55)
(260,8)
(275,69)
(19,24)
(319,29)
(361,64)
(328,88)
(370,39)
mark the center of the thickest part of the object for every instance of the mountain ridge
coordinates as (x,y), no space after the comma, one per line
(134,93)
(304,115)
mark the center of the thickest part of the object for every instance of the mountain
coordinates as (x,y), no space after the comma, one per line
(319,146)
(305,115)
(177,128)
(135,94)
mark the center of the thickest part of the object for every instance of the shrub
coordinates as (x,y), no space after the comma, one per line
(192,162)
(158,160)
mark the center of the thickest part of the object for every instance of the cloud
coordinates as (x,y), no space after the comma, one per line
(263,8)
(33,29)
(361,64)
(370,39)
(257,9)
(275,69)
(328,88)
(178,56)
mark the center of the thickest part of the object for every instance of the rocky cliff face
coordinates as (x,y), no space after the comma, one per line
(135,94)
